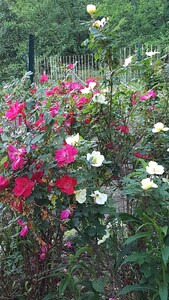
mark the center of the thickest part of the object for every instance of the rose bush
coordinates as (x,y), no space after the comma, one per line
(65,149)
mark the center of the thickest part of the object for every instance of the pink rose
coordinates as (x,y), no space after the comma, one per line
(44,78)
(65,214)
(24,231)
(65,155)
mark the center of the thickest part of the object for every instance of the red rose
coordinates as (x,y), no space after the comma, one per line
(4,182)
(123,128)
(137,154)
(66,184)
(23,186)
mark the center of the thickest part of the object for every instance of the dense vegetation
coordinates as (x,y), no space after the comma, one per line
(61,28)
(84,185)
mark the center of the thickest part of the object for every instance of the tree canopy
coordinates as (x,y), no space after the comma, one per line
(60,27)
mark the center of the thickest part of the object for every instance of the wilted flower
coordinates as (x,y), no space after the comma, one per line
(159,127)
(154,168)
(148,183)
(95,158)
(80,196)
(99,98)
(17,204)
(99,198)
(91,9)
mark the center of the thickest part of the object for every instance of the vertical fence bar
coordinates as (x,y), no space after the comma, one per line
(88,65)
(31,56)
(51,67)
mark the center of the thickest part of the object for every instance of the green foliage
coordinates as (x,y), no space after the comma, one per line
(141,21)
(57,28)
(55,243)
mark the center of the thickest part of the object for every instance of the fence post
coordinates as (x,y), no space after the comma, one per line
(31,56)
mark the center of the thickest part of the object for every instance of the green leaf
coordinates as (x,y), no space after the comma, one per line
(163,291)
(3,160)
(90,296)
(136,257)
(63,285)
(4,137)
(134,288)
(164,229)
(125,217)
(98,285)
(37,138)
(165,254)
(83,250)
(136,237)
(30,103)
(50,296)
(91,231)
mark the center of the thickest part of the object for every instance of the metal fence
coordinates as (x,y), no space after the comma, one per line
(86,65)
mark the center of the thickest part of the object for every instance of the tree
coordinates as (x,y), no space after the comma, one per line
(12,48)
(142,21)
(57,27)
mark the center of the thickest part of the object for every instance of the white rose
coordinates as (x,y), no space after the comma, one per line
(127,61)
(159,127)
(80,196)
(99,98)
(91,9)
(154,168)
(88,89)
(147,184)
(73,139)
(95,158)
(92,85)
(99,198)
(151,53)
